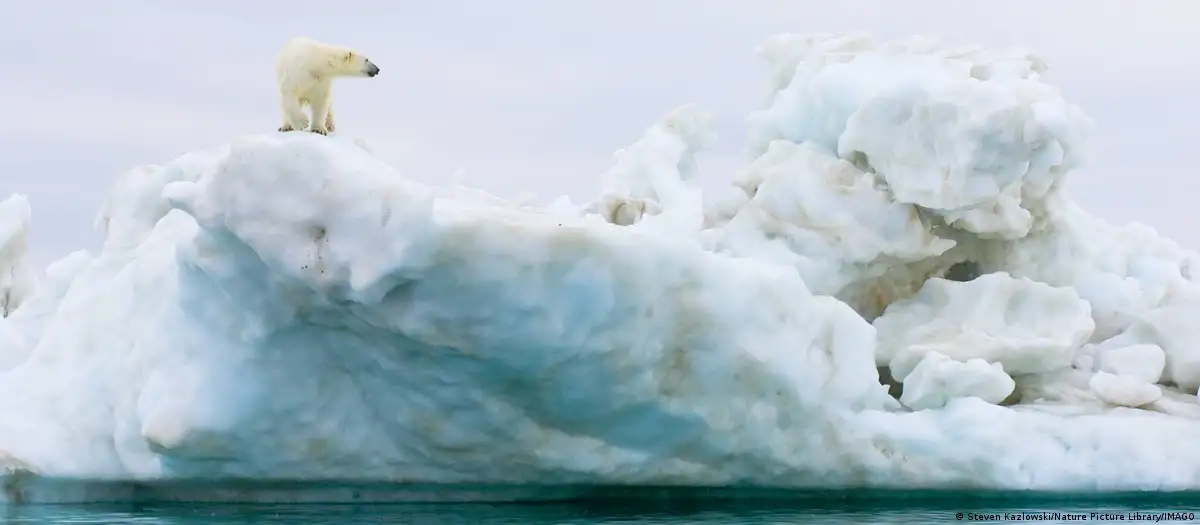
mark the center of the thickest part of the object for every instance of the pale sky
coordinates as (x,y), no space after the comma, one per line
(535,95)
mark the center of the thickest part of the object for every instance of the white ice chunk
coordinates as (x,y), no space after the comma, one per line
(650,177)
(1027,326)
(1173,328)
(1123,390)
(825,217)
(971,135)
(937,379)
(1145,362)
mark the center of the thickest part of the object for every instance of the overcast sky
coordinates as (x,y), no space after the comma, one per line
(537,94)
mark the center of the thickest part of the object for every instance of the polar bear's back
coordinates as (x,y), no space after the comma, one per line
(300,60)
(302,55)
(295,52)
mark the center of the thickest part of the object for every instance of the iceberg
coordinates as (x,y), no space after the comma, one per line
(896,291)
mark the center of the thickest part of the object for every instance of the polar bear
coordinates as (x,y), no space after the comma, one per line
(305,71)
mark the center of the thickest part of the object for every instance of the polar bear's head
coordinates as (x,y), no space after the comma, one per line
(349,63)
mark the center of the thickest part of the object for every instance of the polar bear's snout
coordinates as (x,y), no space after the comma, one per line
(372,69)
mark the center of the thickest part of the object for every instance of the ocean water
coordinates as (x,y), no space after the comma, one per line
(655,507)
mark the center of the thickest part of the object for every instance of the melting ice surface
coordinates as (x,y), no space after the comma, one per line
(895,291)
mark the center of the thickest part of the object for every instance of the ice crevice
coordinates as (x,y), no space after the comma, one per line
(896,290)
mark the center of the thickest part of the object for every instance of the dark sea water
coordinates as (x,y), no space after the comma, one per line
(655,507)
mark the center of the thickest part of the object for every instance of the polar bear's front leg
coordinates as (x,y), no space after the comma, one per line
(293,115)
(320,114)
(329,119)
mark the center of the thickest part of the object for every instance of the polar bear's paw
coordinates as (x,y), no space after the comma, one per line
(286,127)
(319,131)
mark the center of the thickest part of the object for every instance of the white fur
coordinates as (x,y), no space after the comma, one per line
(305,71)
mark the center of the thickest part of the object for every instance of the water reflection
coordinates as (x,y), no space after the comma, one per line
(629,506)
(451,514)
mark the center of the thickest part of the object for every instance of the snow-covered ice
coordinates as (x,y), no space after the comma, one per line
(17,279)
(1123,390)
(993,317)
(896,291)
(937,379)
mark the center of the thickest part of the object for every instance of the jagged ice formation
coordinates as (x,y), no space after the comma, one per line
(895,291)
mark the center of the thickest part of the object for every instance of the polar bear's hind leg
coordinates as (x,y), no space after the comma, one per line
(293,115)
